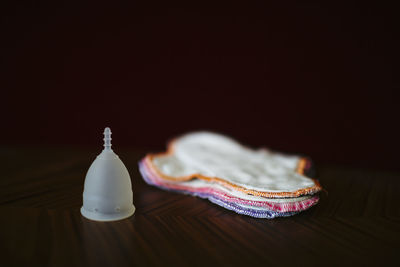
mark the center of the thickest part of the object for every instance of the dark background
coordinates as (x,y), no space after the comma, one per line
(317,79)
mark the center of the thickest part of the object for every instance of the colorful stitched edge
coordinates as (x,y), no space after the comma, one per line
(265,214)
(277,207)
(300,169)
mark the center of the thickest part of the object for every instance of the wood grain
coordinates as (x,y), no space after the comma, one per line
(356,223)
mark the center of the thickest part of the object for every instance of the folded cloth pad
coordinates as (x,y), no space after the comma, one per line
(257,183)
(263,208)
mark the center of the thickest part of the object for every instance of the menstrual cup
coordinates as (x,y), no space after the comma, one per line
(107,194)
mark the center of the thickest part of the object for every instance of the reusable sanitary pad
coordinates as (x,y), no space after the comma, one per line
(258,183)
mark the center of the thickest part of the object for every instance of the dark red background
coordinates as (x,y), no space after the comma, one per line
(304,78)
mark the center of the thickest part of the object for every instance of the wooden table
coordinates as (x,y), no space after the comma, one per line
(357,222)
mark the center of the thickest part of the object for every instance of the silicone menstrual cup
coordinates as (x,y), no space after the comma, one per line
(107,194)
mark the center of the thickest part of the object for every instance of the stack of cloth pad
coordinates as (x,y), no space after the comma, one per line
(258,183)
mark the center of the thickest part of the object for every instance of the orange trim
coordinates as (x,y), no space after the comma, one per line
(300,169)
(301,166)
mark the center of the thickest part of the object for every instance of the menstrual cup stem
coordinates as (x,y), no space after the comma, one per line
(107,138)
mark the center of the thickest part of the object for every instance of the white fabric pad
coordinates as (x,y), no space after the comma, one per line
(215,155)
